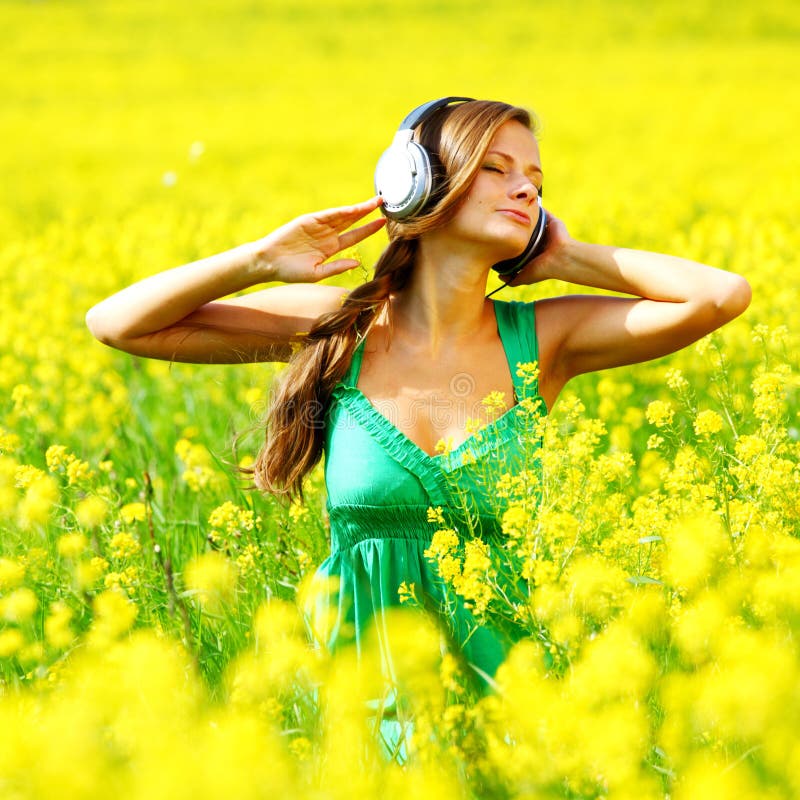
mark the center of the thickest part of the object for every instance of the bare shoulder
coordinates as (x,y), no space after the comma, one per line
(555,318)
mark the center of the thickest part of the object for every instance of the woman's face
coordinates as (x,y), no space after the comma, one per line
(501,207)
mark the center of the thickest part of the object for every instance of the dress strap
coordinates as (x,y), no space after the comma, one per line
(516,324)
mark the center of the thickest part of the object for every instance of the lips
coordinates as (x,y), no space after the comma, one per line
(519,216)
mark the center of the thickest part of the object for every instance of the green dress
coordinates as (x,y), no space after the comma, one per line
(380,486)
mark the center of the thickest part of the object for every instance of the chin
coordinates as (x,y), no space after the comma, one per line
(511,248)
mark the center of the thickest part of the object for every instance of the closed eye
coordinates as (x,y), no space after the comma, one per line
(492,168)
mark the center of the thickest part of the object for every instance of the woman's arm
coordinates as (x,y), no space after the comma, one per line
(172,315)
(677,301)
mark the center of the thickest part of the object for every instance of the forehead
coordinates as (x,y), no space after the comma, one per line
(514,139)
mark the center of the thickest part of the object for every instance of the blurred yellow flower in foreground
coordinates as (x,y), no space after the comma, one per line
(211,580)
(92,511)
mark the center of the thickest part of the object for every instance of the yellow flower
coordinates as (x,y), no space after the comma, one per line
(57,629)
(132,512)
(8,441)
(660,413)
(515,520)
(35,507)
(702,346)
(246,561)
(91,512)
(33,653)
(301,748)
(11,642)
(113,580)
(449,568)
(695,549)
(436,515)
(71,545)
(468,458)
(56,456)
(124,545)
(633,417)
(406,592)
(707,422)
(78,471)
(768,391)
(254,396)
(12,573)
(449,673)
(620,438)
(211,578)
(21,396)
(444,446)
(749,447)
(296,512)
(26,474)
(494,403)
(613,665)
(442,543)
(476,556)
(19,606)
(114,614)
(675,380)
(473,427)
(476,591)
(87,573)
(595,587)
(529,372)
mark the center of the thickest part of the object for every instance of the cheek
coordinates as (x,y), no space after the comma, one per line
(474,200)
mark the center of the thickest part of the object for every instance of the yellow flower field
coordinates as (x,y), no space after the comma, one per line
(151,636)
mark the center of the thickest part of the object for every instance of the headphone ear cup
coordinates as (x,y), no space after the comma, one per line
(424,178)
(404,174)
(403,179)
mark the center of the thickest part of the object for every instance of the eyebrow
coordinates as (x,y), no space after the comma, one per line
(507,157)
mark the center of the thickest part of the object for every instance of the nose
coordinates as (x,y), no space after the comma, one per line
(524,189)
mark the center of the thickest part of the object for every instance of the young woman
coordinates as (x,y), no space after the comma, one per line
(385,372)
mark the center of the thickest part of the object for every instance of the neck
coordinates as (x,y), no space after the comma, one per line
(444,301)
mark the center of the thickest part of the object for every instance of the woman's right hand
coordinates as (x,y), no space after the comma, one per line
(297,252)
(544,265)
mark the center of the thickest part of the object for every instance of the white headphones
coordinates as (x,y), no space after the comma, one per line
(404,179)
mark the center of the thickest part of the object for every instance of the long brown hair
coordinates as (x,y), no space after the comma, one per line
(457,138)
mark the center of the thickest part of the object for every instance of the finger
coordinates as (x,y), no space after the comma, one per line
(344,216)
(357,235)
(330,268)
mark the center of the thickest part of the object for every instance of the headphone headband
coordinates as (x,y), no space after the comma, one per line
(421,113)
